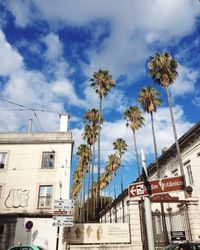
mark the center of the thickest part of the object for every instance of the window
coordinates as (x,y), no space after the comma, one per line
(45,196)
(48,160)
(1,229)
(3,159)
(190,176)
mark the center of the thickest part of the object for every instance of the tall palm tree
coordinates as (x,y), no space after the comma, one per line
(92,118)
(149,98)
(121,147)
(102,83)
(163,70)
(89,137)
(112,166)
(135,120)
(84,155)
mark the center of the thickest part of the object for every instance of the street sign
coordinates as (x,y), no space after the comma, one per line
(63,213)
(29,225)
(64,205)
(178,235)
(158,186)
(65,224)
(63,218)
(63,201)
(63,208)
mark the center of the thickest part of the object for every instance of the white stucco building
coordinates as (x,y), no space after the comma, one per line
(34,171)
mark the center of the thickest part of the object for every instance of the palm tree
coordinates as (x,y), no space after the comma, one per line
(102,83)
(121,147)
(112,166)
(92,117)
(134,118)
(89,137)
(149,98)
(84,155)
(163,70)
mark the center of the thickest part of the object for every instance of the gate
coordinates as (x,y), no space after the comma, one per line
(173,218)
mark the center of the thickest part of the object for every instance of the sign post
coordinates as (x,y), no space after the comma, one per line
(28,226)
(63,215)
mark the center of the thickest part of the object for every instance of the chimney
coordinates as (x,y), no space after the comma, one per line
(164,149)
(64,117)
(30,125)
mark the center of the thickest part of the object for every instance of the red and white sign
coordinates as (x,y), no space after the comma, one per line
(158,186)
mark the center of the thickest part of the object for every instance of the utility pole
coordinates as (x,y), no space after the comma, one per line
(58,227)
(147,205)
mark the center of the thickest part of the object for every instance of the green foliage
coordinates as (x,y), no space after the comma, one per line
(163,69)
(134,118)
(149,98)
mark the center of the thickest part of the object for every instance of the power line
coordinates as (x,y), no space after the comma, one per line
(26,107)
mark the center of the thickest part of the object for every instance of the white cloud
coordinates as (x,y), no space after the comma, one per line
(185,82)
(64,88)
(54,46)
(21,11)
(11,60)
(30,88)
(132,27)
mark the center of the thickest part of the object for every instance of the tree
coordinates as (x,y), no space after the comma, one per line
(121,147)
(149,98)
(84,155)
(92,118)
(102,83)
(163,70)
(89,137)
(112,166)
(134,119)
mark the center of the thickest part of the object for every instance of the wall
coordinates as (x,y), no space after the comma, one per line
(42,234)
(23,175)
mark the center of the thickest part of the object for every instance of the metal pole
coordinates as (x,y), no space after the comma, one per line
(57,239)
(148,214)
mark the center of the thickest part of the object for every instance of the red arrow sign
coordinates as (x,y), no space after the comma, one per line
(156,186)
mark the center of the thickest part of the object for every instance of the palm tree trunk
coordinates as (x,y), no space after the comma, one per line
(84,199)
(136,154)
(154,144)
(114,184)
(174,130)
(99,158)
(88,203)
(92,196)
(121,175)
(115,196)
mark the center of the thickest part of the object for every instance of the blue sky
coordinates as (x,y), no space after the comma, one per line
(50,49)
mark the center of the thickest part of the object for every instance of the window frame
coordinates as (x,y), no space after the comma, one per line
(45,197)
(5,160)
(189,174)
(47,161)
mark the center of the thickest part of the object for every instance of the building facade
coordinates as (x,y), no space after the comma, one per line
(34,171)
(180,210)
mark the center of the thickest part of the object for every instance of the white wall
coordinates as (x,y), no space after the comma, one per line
(23,171)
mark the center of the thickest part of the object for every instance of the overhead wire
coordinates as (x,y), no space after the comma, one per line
(26,107)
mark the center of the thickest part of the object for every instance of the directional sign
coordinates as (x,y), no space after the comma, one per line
(63,207)
(65,224)
(62,201)
(63,218)
(156,186)
(63,213)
